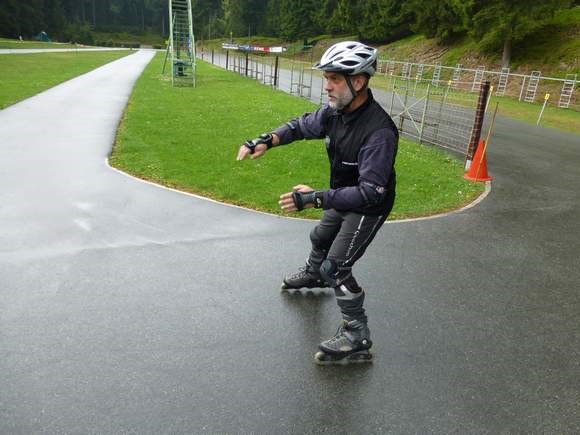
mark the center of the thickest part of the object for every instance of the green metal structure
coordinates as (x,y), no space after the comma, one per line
(181,43)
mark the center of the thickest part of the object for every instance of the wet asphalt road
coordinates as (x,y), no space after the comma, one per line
(127,308)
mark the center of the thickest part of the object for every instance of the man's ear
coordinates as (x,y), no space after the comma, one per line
(359,82)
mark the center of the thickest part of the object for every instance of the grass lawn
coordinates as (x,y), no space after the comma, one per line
(25,75)
(188,139)
(16,44)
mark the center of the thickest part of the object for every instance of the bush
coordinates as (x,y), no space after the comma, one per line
(78,33)
(117,44)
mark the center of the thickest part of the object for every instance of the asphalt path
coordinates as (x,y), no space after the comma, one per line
(129,308)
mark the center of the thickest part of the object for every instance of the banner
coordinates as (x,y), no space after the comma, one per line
(253,48)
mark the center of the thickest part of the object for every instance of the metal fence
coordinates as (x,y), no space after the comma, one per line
(530,88)
(437,113)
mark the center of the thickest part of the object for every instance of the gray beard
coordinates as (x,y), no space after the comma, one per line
(341,101)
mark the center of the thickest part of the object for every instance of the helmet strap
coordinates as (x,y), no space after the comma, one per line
(352,91)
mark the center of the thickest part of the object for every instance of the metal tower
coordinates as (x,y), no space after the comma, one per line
(181,43)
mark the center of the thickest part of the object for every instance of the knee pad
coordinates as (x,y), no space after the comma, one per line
(328,270)
(334,275)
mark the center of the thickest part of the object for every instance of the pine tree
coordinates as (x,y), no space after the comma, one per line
(442,19)
(502,23)
(297,19)
(385,20)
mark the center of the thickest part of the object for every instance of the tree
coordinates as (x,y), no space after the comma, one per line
(385,20)
(344,18)
(442,19)
(498,23)
(8,25)
(271,23)
(54,18)
(233,17)
(297,19)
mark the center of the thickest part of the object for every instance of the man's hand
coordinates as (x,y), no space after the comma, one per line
(287,201)
(258,151)
(257,147)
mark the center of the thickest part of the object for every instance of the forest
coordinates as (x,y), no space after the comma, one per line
(493,23)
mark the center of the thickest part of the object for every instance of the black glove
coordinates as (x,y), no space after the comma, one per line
(264,138)
(302,199)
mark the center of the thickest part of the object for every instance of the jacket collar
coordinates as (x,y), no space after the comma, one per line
(348,117)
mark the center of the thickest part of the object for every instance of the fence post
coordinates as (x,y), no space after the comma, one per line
(424,113)
(393,95)
(227,58)
(438,120)
(404,107)
(522,89)
(301,80)
(489,98)
(477,123)
(276,72)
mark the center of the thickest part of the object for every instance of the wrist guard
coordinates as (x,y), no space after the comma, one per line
(263,138)
(302,199)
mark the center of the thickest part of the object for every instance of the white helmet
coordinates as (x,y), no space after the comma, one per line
(350,58)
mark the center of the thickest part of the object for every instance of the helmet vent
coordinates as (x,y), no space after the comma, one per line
(349,57)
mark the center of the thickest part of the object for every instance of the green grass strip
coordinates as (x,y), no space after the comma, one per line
(25,75)
(16,44)
(188,139)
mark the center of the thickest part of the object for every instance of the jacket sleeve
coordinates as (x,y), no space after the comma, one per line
(375,164)
(308,126)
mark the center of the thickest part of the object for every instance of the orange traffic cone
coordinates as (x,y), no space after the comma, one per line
(478,169)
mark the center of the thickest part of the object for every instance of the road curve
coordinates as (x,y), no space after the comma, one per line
(128,308)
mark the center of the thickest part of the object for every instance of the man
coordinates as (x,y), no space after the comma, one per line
(361,141)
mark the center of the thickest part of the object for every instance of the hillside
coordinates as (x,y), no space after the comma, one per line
(554,49)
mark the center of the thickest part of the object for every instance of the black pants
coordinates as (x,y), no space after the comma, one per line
(338,241)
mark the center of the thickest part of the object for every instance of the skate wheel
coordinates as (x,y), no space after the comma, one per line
(359,357)
(320,357)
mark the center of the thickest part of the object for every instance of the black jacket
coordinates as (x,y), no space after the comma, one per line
(362,147)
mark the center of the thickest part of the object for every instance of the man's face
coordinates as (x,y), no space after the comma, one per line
(339,95)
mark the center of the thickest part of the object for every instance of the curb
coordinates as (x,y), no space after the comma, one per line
(478,200)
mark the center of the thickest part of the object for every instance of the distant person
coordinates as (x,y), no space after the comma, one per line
(361,141)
